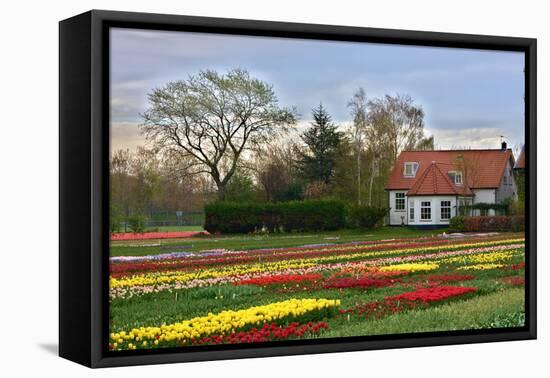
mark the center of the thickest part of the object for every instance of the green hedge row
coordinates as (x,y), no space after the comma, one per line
(300,216)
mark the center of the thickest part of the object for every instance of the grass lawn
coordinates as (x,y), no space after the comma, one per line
(246,242)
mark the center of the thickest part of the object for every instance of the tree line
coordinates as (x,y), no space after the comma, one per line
(225,137)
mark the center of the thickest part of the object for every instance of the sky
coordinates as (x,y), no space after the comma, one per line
(470,97)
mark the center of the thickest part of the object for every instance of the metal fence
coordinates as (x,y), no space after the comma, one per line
(176,218)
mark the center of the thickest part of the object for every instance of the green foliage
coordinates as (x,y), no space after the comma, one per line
(313,215)
(115,218)
(294,192)
(520,184)
(322,140)
(501,207)
(457,223)
(366,216)
(240,189)
(136,223)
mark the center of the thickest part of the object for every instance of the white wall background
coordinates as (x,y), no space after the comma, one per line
(29,189)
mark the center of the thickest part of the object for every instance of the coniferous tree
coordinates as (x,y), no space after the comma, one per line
(322,140)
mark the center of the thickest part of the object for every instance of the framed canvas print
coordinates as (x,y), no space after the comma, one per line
(234,188)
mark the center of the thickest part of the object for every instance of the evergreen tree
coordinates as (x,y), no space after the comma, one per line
(322,140)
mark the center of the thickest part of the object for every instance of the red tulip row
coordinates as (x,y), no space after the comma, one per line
(269,332)
(280,279)
(409,300)
(433,294)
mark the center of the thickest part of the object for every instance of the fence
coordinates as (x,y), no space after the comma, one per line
(170,219)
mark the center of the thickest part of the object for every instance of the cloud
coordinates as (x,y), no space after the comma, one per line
(475,138)
(470,97)
(126,135)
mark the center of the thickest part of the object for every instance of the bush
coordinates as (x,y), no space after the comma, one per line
(485,224)
(136,223)
(457,223)
(314,215)
(366,216)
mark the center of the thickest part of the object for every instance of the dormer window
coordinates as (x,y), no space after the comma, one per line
(410,169)
(456,177)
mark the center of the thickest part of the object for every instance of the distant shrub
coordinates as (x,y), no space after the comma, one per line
(366,216)
(488,223)
(136,223)
(312,215)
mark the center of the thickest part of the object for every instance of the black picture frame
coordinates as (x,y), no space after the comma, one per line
(83,180)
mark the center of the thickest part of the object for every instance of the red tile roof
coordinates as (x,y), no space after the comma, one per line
(436,180)
(482,168)
(520,164)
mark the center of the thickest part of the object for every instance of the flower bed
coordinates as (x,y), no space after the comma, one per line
(407,301)
(123,236)
(223,322)
(279,279)
(268,332)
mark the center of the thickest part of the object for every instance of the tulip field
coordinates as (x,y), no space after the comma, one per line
(178,294)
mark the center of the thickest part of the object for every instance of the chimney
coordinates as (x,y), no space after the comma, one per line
(503,146)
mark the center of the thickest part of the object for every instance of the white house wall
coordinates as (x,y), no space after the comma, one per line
(414,202)
(395,215)
(397,218)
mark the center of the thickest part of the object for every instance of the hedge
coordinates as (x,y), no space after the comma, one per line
(310,215)
(366,216)
(514,223)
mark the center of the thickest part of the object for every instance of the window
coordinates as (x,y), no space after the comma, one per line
(456,176)
(411,211)
(445,210)
(399,201)
(410,169)
(425,210)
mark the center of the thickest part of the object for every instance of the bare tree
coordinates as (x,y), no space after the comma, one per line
(214,118)
(358,106)
(402,120)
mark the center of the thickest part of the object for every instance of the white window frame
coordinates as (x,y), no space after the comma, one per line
(411,211)
(413,167)
(457,177)
(423,207)
(441,207)
(400,198)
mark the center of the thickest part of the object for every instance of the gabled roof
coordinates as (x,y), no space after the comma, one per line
(435,180)
(520,164)
(484,168)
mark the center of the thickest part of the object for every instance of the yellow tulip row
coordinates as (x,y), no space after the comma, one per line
(157,278)
(480,267)
(482,258)
(413,267)
(220,323)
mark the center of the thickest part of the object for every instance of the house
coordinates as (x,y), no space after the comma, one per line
(428,188)
(520,163)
